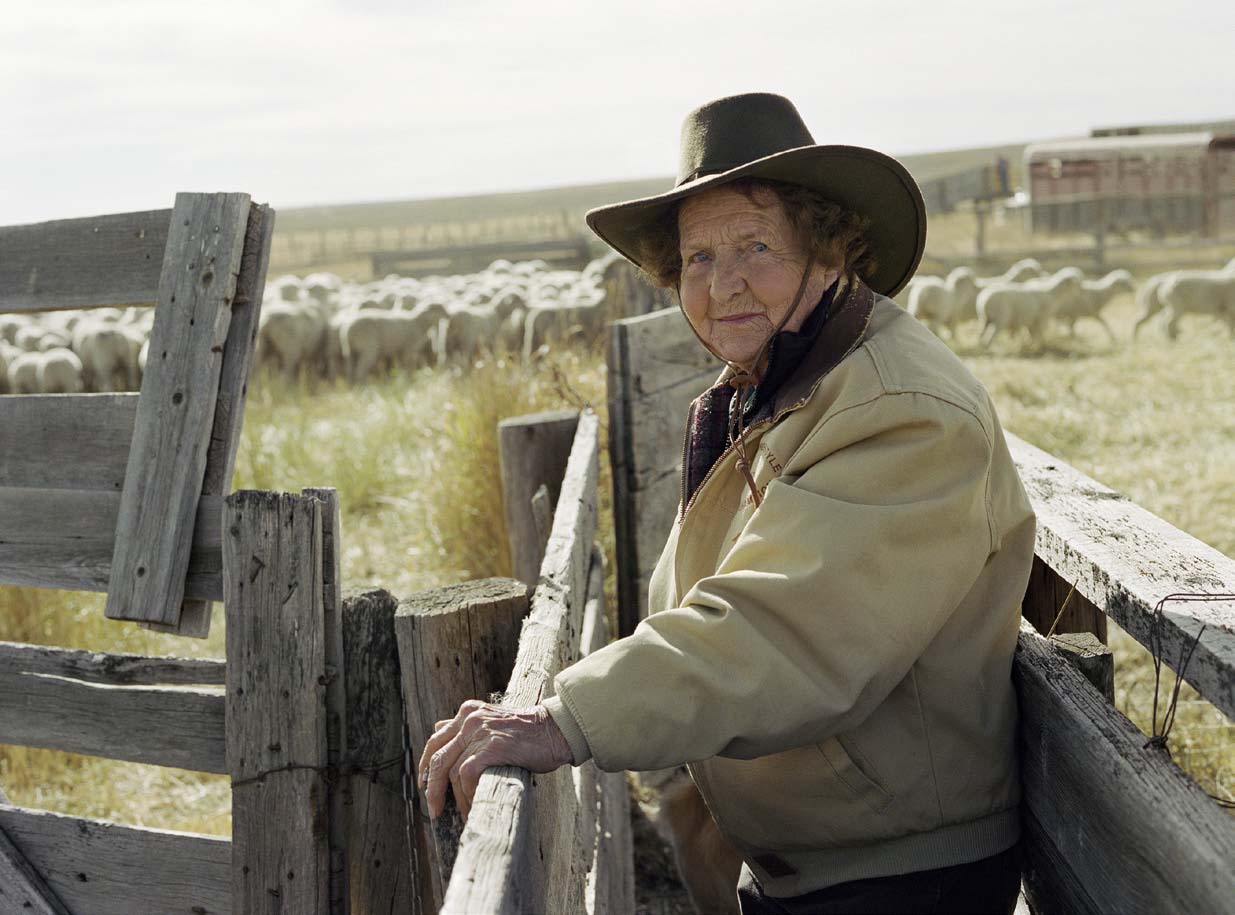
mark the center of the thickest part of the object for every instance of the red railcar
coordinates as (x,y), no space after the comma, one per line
(1171,182)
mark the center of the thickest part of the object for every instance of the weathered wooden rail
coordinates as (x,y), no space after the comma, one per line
(1111,824)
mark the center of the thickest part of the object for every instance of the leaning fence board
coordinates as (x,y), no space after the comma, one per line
(233,383)
(276,702)
(515,854)
(42,444)
(655,368)
(175,414)
(145,724)
(108,668)
(64,538)
(1137,833)
(76,263)
(1125,560)
(107,869)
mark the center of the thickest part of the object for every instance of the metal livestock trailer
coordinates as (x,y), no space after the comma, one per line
(1170,182)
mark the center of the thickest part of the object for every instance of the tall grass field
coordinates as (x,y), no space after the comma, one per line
(414,458)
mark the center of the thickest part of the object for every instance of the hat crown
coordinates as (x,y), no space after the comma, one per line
(737,129)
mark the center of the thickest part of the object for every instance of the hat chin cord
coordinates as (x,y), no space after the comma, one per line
(743,379)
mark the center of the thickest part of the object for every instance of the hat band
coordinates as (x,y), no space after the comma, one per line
(705,171)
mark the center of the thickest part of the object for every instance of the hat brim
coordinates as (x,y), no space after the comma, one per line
(868,182)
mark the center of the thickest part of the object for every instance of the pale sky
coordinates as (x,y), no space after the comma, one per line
(113,105)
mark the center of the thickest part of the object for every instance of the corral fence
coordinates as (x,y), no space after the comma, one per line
(307,714)
(1110,823)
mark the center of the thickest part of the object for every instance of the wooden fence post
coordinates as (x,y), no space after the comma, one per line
(1051,602)
(380,869)
(454,644)
(534,450)
(22,888)
(339,796)
(276,702)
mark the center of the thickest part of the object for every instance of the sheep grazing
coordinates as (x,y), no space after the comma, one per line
(944,302)
(1094,295)
(373,337)
(1148,300)
(1199,292)
(1028,305)
(108,353)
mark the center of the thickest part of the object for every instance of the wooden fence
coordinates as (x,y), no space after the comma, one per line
(1111,824)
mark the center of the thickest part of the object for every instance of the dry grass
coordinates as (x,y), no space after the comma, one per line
(414,459)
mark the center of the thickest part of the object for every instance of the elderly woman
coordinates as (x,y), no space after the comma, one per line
(834,614)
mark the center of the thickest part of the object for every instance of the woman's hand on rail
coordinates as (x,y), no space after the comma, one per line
(483,735)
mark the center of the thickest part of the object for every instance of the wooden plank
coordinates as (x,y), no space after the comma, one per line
(233,384)
(1138,834)
(22,888)
(1125,560)
(533,452)
(455,643)
(108,668)
(516,850)
(44,436)
(276,702)
(146,724)
(1093,660)
(107,869)
(380,861)
(171,437)
(656,367)
(77,263)
(339,795)
(65,538)
(1054,606)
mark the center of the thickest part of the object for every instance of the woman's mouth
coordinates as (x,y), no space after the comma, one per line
(739,319)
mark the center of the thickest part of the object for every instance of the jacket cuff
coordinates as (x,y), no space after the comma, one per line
(570,729)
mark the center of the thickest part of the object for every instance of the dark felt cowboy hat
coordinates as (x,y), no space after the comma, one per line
(761,135)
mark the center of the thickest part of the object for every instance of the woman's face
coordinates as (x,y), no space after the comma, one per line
(741,266)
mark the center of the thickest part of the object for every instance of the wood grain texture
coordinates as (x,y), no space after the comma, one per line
(66,441)
(533,450)
(1093,660)
(1137,833)
(110,669)
(175,414)
(455,643)
(102,868)
(78,263)
(518,851)
(65,538)
(1050,601)
(276,702)
(146,724)
(22,888)
(381,877)
(339,797)
(233,385)
(1124,560)
(656,367)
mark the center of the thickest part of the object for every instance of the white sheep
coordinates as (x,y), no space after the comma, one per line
(1094,295)
(59,371)
(108,354)
(1199,292)
(290,336)
(943,302)
(374,337)
(1028,305)
(8,353)
(24,372)
(10,325)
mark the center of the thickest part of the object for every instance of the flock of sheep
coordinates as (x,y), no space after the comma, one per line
(1028,298)
(326,326)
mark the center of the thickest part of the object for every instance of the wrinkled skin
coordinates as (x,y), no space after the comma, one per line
(483,735)
(741,266)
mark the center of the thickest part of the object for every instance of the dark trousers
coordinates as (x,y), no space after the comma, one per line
(982,887)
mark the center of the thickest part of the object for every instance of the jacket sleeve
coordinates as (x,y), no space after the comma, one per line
(835,586)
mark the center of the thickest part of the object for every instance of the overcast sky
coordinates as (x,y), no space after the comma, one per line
(112,105)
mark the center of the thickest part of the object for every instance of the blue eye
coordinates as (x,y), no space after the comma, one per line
(760,246)
(698,257)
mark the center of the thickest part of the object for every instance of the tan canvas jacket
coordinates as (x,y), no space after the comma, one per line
(835,664)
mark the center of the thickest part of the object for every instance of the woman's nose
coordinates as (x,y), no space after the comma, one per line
(727,279)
